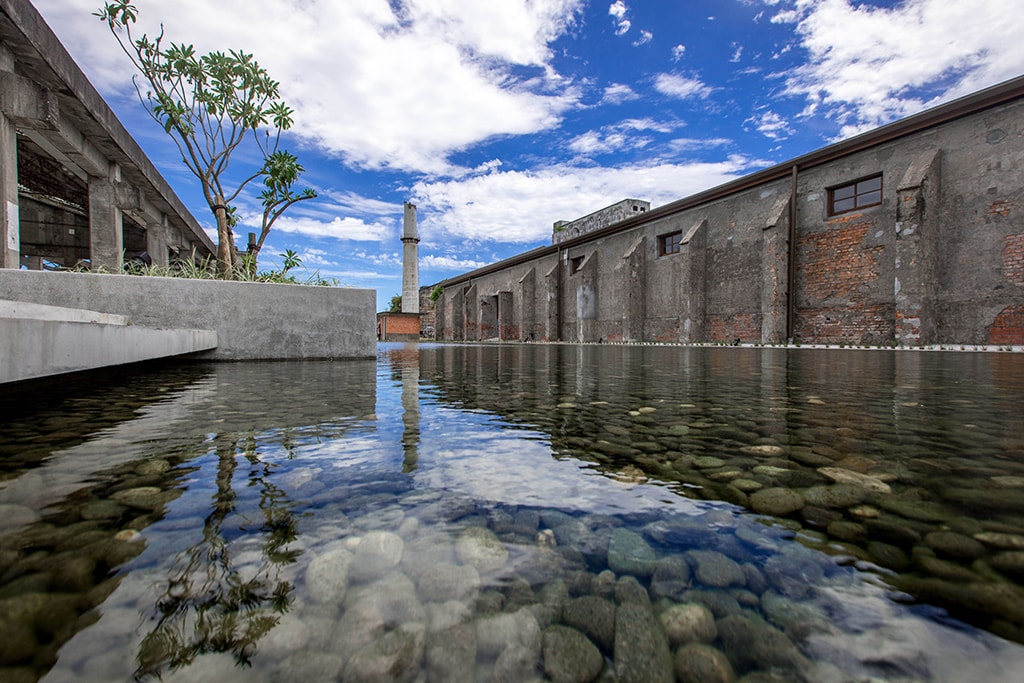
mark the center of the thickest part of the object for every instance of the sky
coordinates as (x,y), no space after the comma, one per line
(499,117)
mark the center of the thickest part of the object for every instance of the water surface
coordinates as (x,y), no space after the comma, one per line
(520,512)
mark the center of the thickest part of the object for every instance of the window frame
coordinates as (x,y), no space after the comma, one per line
(668,246)
(858,195)
(576,264)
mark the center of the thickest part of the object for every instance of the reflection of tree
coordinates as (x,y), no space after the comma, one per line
(211,605)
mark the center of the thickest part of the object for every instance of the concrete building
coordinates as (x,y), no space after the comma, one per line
(910,234)
(404,325)
(76,188)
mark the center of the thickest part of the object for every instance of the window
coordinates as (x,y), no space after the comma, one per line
(575,264)
(866,192)
(670,243)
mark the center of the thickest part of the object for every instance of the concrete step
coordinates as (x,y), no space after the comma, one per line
(42,341)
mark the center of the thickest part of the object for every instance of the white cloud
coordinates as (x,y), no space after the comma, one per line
(737,53)
(339,228)
(645,37)
(620,136)
(681,87)
(407,89)
(677,52)
(450,263)
(771,125)
(868,65)
(617,93)
(618,10)
(520,206)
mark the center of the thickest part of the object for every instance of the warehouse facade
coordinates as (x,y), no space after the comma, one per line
(909,234)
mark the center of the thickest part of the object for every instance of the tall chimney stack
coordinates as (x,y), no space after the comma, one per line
(410,262)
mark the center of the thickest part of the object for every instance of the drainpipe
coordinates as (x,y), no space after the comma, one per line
(791,259)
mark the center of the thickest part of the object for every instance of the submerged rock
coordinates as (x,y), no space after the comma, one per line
(691,623)
(629,553)
(327,576)
(700,663)
(776,501)
(478,546)
(641,649)
(569,656)
(594,617)
(377,553)
(715,569)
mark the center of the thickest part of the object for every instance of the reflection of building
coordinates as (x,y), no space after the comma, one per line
(75,186)
(908,234)
(405,325)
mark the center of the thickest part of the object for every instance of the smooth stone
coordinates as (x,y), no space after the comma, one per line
(864,511)
(706,462)
(845,476)
(747,485)
(101,509)
(690,623)
(794,617)
(751,643)
(144,497)
(1000,540)
(943,569)
(988,499)
(888,556)
(515,664)
(478,546)
(327,576)
(629,553)
(1009,562)
(793,576)
(835,496)
(152,467)
(451,653)
(1009,482)
(395,657)
(569,656)
(445,581)
(629,590)
(776,501)
(642,654)
(847,531)
(715,569)
(763,450)
(288,636)
(954,544)
(495,633)
(920,510)
(594,617)
(671,578)
(377,553)
(699,663)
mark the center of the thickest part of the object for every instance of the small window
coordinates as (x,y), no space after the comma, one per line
(863,193)
(575,264)
(670,243)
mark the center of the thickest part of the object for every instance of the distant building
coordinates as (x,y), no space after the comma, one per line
(909,234)
(404,325)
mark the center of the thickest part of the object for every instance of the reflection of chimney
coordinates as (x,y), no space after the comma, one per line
(410,262)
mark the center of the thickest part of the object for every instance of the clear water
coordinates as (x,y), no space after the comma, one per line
(520,513)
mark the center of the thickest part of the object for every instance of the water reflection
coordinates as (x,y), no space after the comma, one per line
(517,512)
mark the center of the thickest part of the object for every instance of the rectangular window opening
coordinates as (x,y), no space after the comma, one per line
(575,264)
(670,243)
(856,195)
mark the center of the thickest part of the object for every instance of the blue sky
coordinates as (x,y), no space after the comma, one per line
(499,117)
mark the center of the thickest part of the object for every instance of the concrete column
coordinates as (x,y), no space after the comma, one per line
(458,326)
(156,240)
(586,300)
(440,318)
(528,306)
(634,275)
(410,261)
(915,281)
(106,227)
(10,231)
(775,274)
(551,295)
(488,317)
(506,328)
(693,300)
(472,315)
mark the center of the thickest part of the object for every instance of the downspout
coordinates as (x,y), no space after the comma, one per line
(791,259)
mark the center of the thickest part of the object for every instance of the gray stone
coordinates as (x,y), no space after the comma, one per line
(395,657)
(478,546)
(699,663)
(445,581)
(1009,563)
(954,545)
(377,553)
(451,653)
(671,578)
(776,501)
(496,632)
(629,553)
(569,657)
(751,643)
(835,496)
(594,617)
(690,623)
(641,649)
(865,481)
(920,510)
(628,589)
(515,664)
(327,576)
(715,569)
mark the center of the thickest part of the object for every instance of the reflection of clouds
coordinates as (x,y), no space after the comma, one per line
(518,468)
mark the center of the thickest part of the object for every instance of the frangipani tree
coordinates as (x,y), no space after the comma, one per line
(209,104)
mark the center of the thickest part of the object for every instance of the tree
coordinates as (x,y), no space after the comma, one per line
(396,304)
(209,104)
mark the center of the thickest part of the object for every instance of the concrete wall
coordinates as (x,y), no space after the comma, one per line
(252,321)
(939,260)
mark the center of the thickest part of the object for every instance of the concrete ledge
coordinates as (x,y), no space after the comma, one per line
(253,321)
(32,347)
(29,311)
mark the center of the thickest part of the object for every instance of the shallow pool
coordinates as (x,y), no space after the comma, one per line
(516,513)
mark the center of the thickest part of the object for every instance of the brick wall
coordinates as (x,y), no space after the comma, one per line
(1013,259)
(1008,326)
(743,326)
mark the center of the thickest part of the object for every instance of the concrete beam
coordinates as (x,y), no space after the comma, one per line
(42,341)
(27,104)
